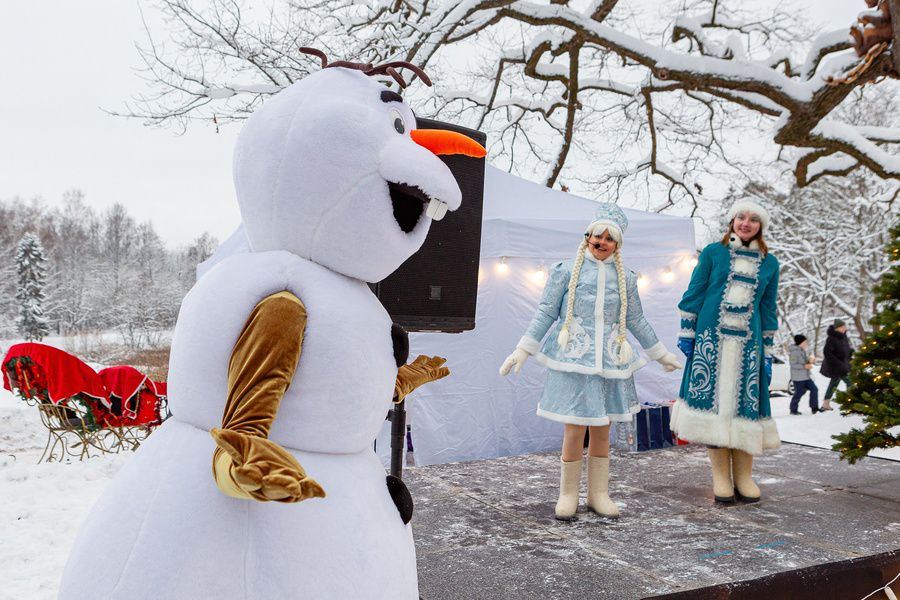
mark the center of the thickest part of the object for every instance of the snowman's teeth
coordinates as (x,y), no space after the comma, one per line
(436,210)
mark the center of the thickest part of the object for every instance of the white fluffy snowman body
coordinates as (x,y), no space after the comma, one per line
(324,173)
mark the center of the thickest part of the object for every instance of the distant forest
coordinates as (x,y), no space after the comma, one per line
(104,269)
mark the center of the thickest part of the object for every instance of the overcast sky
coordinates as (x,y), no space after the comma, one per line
(62,61)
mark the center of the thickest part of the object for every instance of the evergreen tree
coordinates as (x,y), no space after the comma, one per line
(874,390)
(32,273)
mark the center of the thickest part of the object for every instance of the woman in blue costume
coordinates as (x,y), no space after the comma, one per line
(588,305)
(728,320)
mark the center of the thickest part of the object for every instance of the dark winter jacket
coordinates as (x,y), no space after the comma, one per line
(837,352)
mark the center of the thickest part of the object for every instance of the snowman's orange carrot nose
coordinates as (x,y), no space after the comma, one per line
(441,141)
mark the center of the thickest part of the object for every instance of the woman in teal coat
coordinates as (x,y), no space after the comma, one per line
(728,320)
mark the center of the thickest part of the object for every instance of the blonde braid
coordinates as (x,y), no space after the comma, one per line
(563,338)
(625,353)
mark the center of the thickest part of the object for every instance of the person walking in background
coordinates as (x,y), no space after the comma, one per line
(836,361)
(801,366)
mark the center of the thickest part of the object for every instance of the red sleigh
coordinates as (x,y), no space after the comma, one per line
(83,412)
(137,404)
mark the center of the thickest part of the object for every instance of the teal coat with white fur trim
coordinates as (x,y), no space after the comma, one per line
(729,309)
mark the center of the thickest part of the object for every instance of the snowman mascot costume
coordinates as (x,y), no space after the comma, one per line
(283,368)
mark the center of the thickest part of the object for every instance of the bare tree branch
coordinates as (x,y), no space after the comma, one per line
(551,79)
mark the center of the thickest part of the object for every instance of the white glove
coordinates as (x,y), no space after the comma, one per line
(516,359)
(669,362)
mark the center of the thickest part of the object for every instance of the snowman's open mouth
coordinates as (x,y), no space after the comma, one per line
(409,204)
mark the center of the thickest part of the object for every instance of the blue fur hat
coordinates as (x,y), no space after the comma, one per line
(609,216)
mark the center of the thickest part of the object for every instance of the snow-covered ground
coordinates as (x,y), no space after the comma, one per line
(76,344)
(816,430)
(43,505)
(88,343)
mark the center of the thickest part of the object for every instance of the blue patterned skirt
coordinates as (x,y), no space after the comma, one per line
(587,399)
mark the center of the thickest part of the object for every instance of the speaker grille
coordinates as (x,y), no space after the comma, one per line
(436,288)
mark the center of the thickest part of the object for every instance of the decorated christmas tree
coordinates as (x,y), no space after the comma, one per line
(32,273)
(874,390)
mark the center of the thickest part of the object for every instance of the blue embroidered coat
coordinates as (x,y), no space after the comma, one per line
(729,309)
(585,385)
(595,323)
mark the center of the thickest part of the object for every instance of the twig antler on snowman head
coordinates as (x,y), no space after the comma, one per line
(370,69)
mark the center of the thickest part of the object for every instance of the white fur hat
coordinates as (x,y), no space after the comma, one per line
(609,216)
(749,206)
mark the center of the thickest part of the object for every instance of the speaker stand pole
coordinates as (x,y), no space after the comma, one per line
(398,438)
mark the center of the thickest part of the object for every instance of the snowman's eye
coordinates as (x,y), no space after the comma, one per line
(399,125)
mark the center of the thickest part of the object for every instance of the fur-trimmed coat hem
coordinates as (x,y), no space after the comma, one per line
(705,427)
(589,421)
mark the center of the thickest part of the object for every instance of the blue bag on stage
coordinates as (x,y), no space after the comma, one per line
(653,427)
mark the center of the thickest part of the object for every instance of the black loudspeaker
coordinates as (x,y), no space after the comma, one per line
(436,288)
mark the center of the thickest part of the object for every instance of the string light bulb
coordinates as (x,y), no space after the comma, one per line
(502,267)
(540,275)
(668,275)
(642,281)
(693,262)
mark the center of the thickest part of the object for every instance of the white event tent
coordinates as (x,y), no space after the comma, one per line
(475,413)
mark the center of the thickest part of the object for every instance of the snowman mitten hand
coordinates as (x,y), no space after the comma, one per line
(423,370)
(247,466)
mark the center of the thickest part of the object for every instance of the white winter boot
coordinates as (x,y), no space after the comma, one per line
(744,486)
(569,485)
(598,499)
(723,488)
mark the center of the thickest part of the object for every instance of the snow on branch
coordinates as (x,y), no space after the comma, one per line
(822,46)
(816,164)
(229,90)
(548,76)
(880,134)
(852,142)
(720,68)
